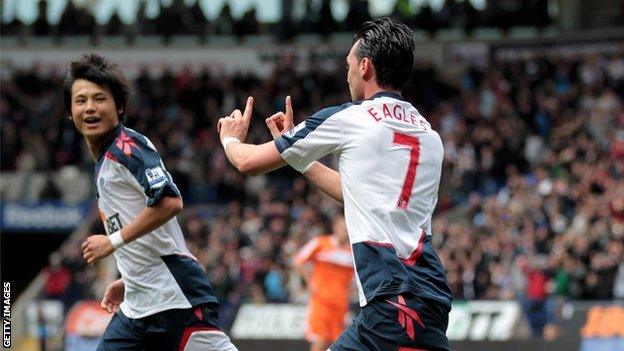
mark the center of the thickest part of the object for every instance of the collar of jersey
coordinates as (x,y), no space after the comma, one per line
(116,133)
(389,94)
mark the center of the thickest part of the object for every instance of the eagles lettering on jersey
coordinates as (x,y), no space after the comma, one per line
(390,162)
(158,271)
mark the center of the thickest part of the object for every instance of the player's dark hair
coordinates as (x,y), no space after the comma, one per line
(100,71)
(390,45)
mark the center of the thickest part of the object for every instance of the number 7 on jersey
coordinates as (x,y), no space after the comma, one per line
(414,144)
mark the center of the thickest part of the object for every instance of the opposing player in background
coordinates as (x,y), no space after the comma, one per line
(163,300)
(326,265)
(390,162)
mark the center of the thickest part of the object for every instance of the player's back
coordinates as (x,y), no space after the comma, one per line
(390,161)
(390,166)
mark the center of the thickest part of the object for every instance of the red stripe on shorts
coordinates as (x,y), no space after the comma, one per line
(190,330)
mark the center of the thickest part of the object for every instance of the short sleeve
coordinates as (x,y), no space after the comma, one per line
(317,136)
(140,157)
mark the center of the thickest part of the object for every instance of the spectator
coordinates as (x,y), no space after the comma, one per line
(114,25)
(327,24)
(247,25)
(358,14)
(57,278)
(426,20)
(41,25)
(76,21)
(224,24)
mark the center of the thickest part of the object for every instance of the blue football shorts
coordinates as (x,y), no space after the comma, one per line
(190,329)
(397,323)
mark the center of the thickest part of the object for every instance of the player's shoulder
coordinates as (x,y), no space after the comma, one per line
(330,111)
(140,139)
(131,133)
(357,106)
(129,144)
(132,150)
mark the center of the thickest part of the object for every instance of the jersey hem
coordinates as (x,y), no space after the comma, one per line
(166,307)
(403,288)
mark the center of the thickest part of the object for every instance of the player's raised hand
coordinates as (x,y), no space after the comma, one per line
(96,247)
(113,296)
(248,110)
(280,122)
(236,124)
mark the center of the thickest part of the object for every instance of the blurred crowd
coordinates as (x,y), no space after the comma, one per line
(178,18)
(531,201)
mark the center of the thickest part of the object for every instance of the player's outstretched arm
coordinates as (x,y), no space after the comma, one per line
(324,177)
(249,159)
(97,247)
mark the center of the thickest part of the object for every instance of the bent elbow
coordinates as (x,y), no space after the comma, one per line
(178,207)
(249,169)
(175,207)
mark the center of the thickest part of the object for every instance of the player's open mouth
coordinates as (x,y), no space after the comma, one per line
(92,120)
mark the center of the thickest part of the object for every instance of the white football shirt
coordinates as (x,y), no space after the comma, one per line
(390,162)
(158,271)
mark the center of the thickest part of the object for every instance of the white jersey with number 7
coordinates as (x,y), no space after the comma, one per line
(390,162)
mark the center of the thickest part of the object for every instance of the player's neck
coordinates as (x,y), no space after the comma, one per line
(372,89)
(96,146)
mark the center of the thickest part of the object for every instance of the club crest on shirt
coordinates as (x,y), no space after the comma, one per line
(291,133)
(155,177)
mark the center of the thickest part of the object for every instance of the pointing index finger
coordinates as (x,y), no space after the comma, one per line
(248,109)
(289,109)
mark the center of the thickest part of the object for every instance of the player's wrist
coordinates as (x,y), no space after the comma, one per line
(116,239)
(229,140)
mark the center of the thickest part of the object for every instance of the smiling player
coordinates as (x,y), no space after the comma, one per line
(163,300)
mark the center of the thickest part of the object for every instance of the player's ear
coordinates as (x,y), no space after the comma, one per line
(367,70)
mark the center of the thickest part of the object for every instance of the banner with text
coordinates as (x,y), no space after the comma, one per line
(41,216)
